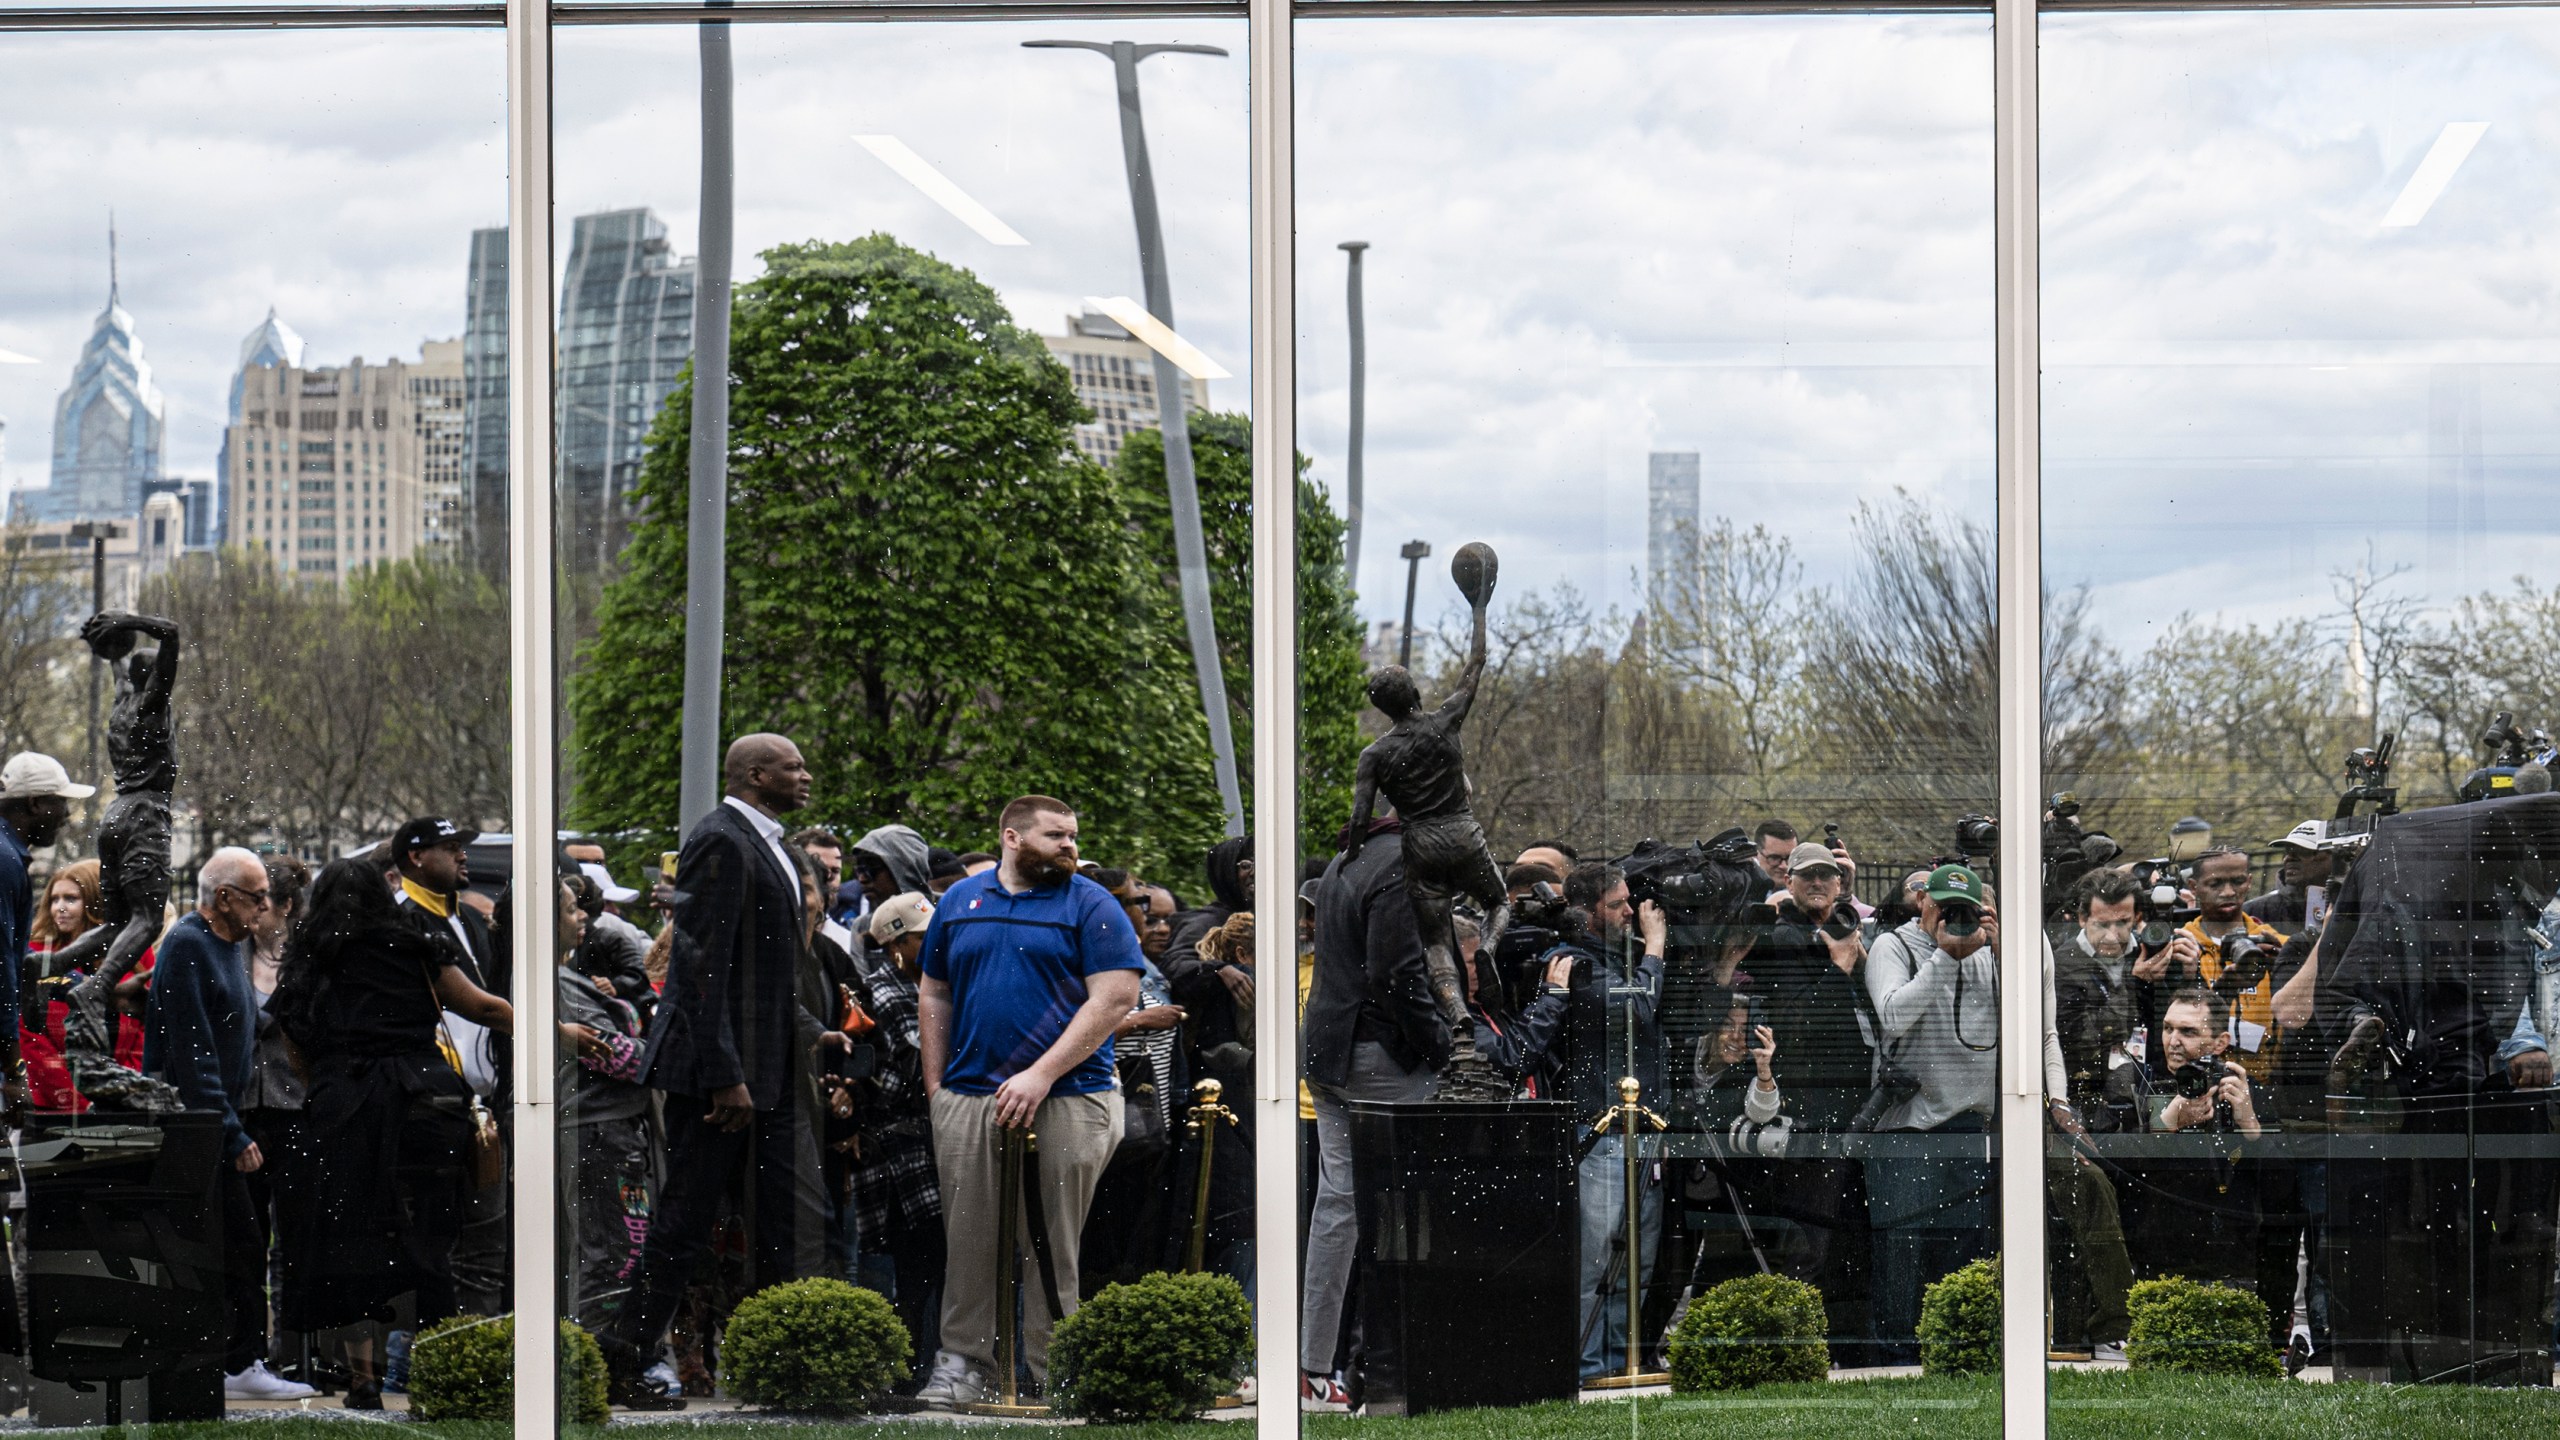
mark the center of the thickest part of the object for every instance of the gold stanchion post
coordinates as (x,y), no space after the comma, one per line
(1629,1118)
(1205,1116)
(1013,1148)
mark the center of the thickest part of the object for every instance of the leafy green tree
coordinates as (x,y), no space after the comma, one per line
(1331,675)
(928,589)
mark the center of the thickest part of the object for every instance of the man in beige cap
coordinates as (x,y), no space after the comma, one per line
(35,803)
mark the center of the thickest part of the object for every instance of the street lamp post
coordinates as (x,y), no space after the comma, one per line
(1413,554)
(1191,556)
(1359,409)
(707,491)
(97,533)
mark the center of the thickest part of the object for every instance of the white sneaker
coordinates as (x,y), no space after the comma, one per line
(260,1383)
(2108,1353)
(953,1384)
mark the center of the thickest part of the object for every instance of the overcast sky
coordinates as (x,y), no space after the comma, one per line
(1766,239)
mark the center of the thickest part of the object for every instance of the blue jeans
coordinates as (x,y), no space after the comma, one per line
(1603,1190)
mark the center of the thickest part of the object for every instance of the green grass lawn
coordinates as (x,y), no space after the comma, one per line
(2108,1405)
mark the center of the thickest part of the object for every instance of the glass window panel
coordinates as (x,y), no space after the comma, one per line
(1691,325)
(235,379)
(954,576)
(2297,487)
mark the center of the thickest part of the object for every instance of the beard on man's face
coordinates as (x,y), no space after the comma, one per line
(1042,867)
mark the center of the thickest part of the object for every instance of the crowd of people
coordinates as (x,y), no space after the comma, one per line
(794,1053)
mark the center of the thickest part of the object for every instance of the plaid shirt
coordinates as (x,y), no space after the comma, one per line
(893,1177)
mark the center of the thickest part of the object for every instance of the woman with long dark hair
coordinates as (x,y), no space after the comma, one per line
(372,1194)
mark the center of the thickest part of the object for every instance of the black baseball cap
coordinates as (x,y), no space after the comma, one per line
(427,832)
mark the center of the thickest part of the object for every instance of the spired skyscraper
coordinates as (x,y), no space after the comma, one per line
(107,428)
(626,331)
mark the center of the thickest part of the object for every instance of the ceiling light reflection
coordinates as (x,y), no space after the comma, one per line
(937,187)
(1159,337)
(2452,147)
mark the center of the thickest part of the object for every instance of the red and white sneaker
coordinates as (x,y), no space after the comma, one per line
(1322,1393)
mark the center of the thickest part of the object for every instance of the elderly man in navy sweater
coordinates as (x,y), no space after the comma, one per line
(199,1034)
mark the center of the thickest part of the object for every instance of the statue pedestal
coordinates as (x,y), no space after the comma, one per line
(1469,1226)
(124,1238)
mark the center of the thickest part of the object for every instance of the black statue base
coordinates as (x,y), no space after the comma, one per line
(124,1248)
(1468,1229)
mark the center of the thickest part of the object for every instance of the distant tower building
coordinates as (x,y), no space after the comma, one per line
(1115,376)
(272,343)
(484,401)
(107,426)
(437,409)
(1671,524)
(329,474)
(626,331)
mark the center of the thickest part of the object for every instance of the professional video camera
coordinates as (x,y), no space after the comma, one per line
(1540,921)
(1977,837)
(2511,750)
(2368,774)
(2070,850)
(1704,888)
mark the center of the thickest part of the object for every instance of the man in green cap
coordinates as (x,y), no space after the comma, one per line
(1936,986)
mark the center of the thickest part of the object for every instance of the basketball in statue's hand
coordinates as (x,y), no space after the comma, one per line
(1474,568)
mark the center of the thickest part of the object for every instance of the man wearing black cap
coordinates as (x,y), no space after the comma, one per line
(430,856)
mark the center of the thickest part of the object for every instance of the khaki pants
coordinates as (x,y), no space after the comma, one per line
(1076,1135)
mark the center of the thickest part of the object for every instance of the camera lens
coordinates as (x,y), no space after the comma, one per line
(1957,919)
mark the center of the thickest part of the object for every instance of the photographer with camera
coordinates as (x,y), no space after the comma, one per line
(1813,969)
(2238,959)
(1935,983)
(1736,1084)
(1610,1005)
(2205,1217)
(1515,1042)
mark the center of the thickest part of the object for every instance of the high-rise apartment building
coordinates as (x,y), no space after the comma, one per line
(437,409)
(484,400)
(626,331)
(273,342)
(107,427)
(1115,376)
(328,467)
(1671,524)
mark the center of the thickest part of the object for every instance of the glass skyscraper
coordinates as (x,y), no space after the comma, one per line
(626,330)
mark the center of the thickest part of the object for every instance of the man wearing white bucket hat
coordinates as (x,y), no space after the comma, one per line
(35,803)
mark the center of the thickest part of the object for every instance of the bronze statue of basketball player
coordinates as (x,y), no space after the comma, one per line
(1419,766)
(133,854)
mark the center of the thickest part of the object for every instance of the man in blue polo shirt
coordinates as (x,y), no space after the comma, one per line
(1027,967)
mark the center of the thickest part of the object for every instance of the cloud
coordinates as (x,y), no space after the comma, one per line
(1764,238)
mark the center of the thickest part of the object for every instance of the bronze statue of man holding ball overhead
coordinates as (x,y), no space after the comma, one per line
(1418,765)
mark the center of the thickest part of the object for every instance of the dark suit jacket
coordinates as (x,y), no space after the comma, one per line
(730,1014)
(1370,983)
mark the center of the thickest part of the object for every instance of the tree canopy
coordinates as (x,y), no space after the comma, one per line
(929,589)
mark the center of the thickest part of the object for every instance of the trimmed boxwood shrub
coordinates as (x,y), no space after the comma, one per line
(2199,1330)
(1960,1322)
(1751,1330)
(1159,1348)
(463,1367)
(817,1344)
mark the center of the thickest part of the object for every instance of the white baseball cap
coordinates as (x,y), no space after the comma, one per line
(900,915)
(29,774)
(613,893)
(2311,836)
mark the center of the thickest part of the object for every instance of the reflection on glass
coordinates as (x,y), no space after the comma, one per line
(260,1006)
(2297,489)
(1698,343)
(953,1061)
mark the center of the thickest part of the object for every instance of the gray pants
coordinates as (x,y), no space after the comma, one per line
(1602,1185)
(1077,1134)
(1333,1229)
